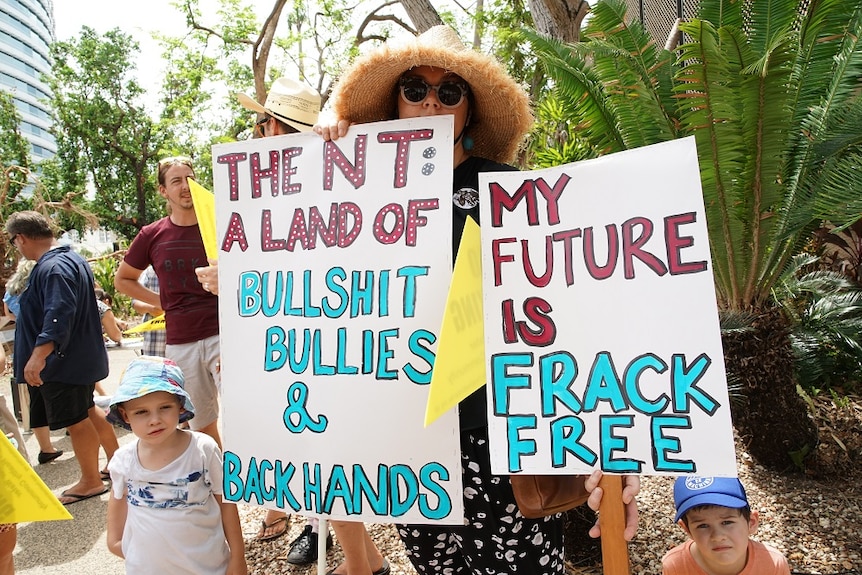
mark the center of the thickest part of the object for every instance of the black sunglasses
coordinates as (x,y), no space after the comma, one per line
(450,93)
(12,239)
(260,127)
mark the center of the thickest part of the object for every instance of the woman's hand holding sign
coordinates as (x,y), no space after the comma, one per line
(631,487)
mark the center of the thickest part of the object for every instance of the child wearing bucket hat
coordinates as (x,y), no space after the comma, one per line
(436,74)
(166,513)
(715,514)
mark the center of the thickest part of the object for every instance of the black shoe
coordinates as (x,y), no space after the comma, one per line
(303,549)
(47,457)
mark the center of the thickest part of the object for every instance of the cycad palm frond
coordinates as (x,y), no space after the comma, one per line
(766,20)
(825,309)
(837,99)
(710,107)
(721,13)
(579,91)
(839,183)
(765,95)
(821,34)
(627,61)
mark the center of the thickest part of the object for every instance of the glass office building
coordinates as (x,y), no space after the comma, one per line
(26,31)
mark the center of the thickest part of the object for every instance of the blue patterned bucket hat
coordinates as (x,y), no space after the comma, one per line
(145,375)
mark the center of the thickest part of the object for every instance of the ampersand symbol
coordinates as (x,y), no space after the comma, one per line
(297,396)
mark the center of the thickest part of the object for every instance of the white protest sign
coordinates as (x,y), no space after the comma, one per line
(601,328)
(334,264)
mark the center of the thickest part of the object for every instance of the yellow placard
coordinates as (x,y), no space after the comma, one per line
(154,324)
(23,495)
(459,368)
(204,202)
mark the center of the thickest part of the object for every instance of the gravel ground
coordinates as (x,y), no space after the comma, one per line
(815,523)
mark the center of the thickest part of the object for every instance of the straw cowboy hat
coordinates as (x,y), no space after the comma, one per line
(500,109)
(290,101)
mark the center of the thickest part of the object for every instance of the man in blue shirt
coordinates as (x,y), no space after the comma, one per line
(59,349)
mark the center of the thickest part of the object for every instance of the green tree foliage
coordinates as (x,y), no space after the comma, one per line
(15,163)
(14,148)
(105,136)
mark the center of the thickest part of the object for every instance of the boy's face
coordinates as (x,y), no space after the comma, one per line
(153,417)
(720,536)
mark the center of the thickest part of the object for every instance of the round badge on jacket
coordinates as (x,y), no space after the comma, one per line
(466,198)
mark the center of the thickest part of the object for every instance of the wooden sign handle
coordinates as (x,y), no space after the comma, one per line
(612,519)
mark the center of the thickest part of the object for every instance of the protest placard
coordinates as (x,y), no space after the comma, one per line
(23,494)
(602,339)
(335,261)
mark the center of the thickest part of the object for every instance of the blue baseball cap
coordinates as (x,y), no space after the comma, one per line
(692,490)
(145,375)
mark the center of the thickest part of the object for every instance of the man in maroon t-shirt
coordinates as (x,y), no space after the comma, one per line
(173,246)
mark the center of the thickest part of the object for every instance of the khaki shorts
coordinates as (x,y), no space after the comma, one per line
(199,362)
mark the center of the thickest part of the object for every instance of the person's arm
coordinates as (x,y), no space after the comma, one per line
(112,329)
(233,535)
(36,363)
(144,308)
(631,487)
(126,281)
(117,511)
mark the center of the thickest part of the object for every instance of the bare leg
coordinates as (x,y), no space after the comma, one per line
(8,538)
(85,444)
(107,437)
(361,556)
(212,431)
(43,437)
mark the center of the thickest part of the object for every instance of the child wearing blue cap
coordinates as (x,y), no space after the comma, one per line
(714,513)
(166,513)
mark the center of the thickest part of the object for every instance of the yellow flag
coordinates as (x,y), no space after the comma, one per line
(154,324)
(204,202)
(459,368)
(23,495)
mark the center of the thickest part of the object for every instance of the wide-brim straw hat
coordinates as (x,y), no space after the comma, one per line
(290,101)
(500,111)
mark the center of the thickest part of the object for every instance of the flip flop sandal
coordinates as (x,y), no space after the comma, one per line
(264,526)
(76,498)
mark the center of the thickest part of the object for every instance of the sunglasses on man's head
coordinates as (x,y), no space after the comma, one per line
(450,93)
(12,239)
(174,160)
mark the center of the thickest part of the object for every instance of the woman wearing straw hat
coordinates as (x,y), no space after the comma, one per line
(429,75)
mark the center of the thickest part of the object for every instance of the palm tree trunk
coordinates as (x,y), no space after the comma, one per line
(773,420)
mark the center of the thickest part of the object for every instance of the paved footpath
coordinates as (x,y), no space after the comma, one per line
(77,546)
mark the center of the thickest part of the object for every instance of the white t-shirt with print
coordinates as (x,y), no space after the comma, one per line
(174,521)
